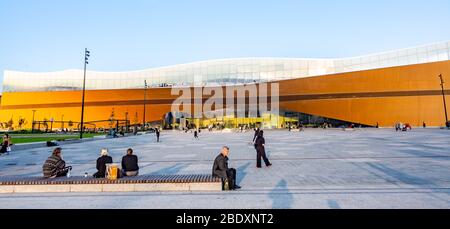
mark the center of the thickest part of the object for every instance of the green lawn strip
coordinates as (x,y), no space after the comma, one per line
(26,139)
(29,140)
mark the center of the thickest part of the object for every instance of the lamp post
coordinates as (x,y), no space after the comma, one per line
(443,98)
(86,57)
(62,123)
(32,123)
(145,101)
(51,124)
(126,121)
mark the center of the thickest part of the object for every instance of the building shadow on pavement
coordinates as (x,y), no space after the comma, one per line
(408,179)
(174,169)
(399,175)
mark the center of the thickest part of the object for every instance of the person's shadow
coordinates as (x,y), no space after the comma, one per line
(280,195)
(241,173)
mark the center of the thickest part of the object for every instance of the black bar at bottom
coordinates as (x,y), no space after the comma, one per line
(226,218)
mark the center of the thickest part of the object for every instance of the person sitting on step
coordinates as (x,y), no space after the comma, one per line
(101,163)
(55,166)
(130,164)
(220,169)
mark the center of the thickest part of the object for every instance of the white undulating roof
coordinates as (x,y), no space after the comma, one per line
(222,71)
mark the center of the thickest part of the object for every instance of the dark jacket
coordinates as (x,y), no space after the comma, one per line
(259,143)
(220,166)
(130,163)
(256,134)
(4,147)
(101,165)
(53,165)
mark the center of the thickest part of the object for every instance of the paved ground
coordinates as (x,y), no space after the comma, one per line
(369,168)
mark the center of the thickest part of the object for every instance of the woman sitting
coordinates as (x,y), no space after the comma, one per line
(101,164)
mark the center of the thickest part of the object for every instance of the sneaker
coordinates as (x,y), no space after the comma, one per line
(236,187)
(269,165)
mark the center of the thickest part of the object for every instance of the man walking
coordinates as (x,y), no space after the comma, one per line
(157,134)
(261,151)
(196,134)
(256,134)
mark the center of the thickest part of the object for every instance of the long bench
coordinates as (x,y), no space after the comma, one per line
(141,183)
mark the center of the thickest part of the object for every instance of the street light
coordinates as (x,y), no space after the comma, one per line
(443,97)
(126,121)
(62,123)
(51,124)
(32,123)
(145,101)
(86,58)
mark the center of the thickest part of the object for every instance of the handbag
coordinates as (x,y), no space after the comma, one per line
(226,184)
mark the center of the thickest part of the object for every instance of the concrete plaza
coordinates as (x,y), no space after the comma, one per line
(365,168)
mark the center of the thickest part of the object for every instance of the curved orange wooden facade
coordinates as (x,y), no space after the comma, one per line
(408,94)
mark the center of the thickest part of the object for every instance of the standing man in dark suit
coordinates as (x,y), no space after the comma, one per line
(261,151)
(256,134)
(195,134)
(220,169)
(157,134)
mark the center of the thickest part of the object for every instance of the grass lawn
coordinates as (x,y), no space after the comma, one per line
(17,138)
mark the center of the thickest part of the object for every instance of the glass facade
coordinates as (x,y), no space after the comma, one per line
(221,72)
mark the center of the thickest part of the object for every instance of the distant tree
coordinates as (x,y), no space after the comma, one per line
(135,120)
(9,124)
(45,124)
(21,122)
(70,124)
(111,118)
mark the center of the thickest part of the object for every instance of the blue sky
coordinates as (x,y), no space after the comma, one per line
(50,35)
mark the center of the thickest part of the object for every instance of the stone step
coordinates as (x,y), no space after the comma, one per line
(145,183)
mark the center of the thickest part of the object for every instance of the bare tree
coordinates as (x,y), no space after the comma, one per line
(45,124)
(21,122)
(111,118)
(135,120)
(9,124)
